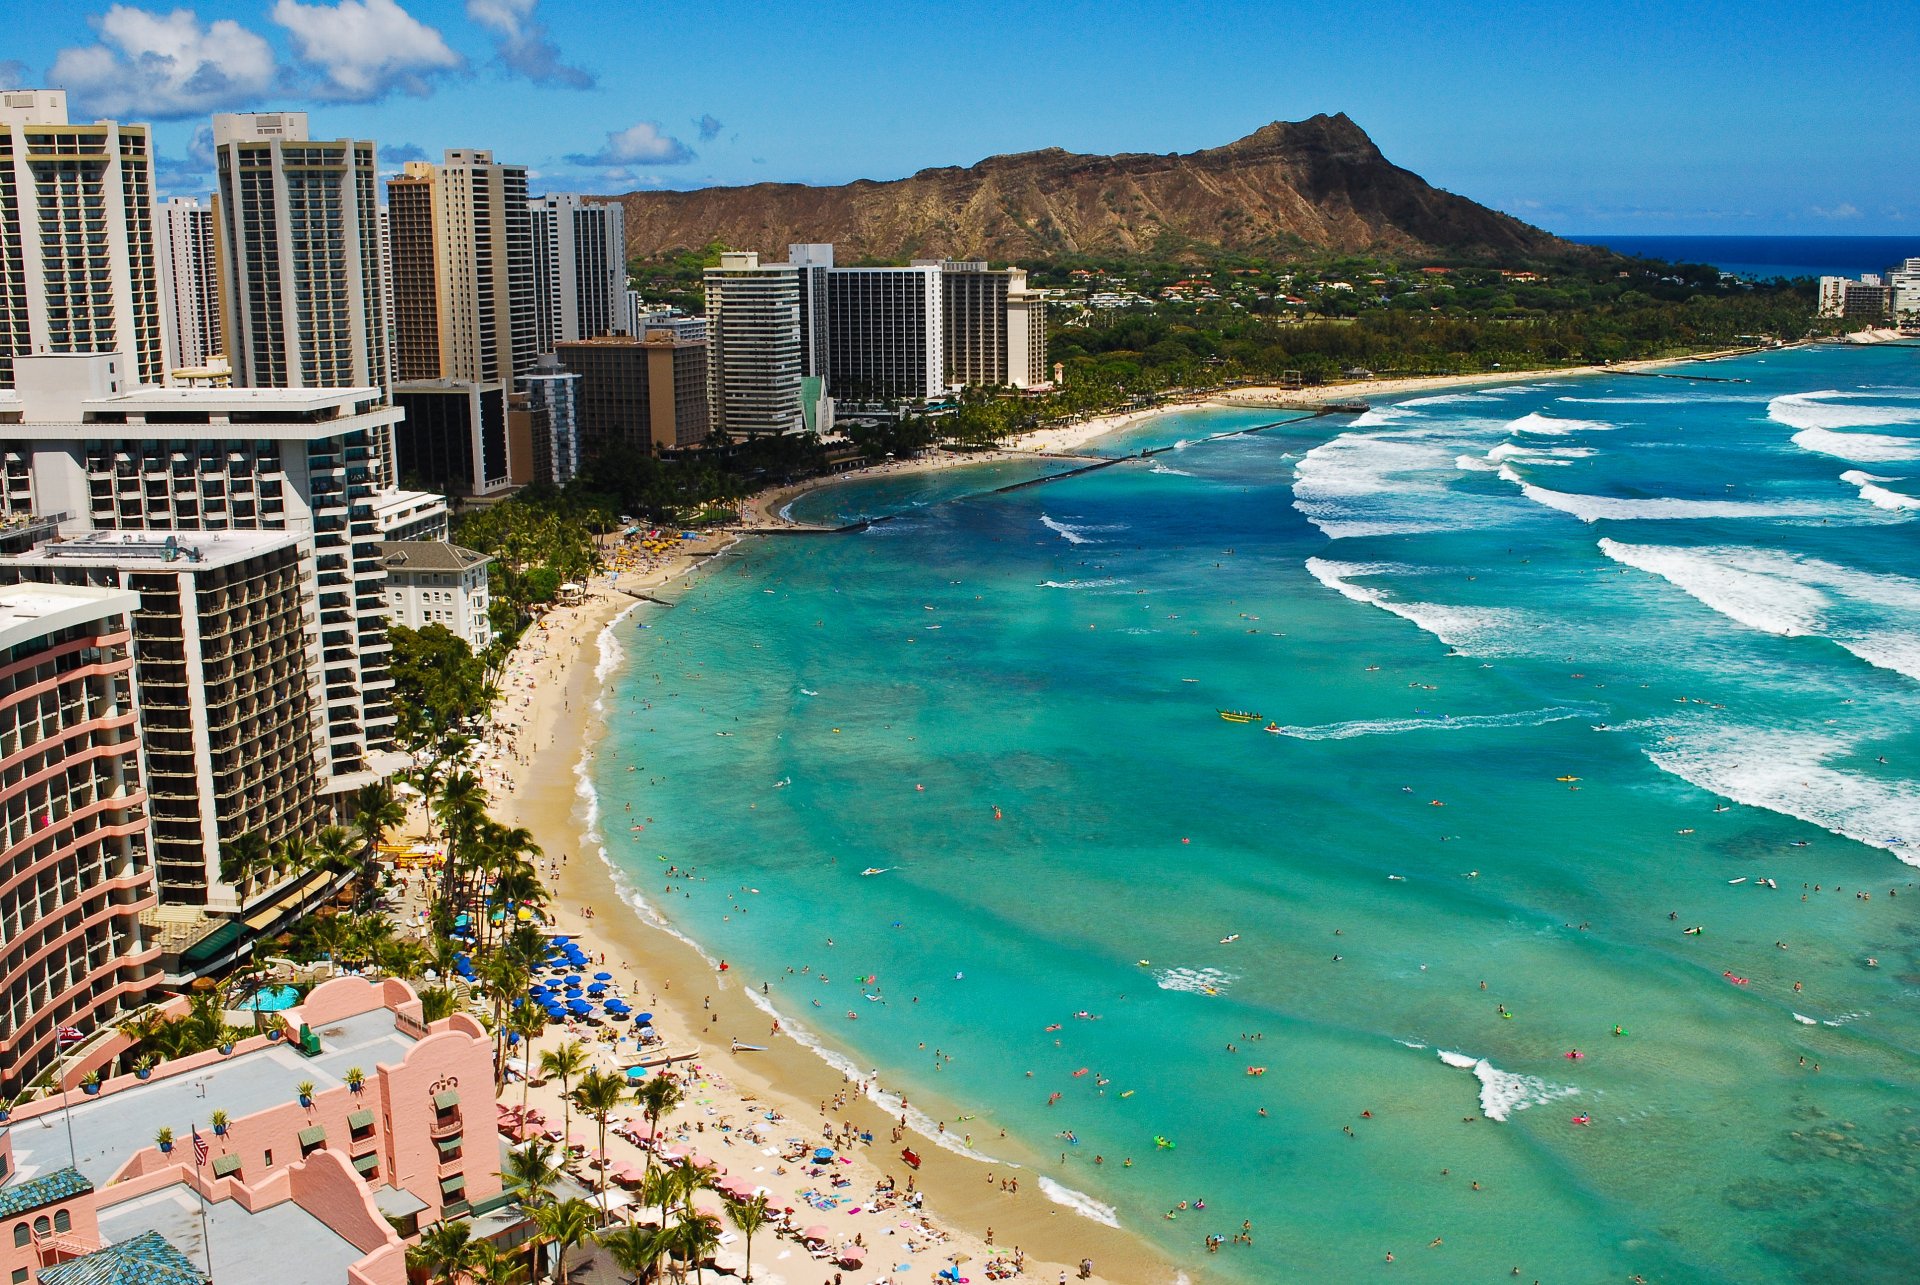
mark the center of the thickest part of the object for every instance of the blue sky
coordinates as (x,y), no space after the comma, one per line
(1625,117)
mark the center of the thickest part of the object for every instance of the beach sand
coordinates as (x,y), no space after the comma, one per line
(546,720)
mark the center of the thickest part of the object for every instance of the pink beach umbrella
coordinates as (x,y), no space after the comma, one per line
(815,1234)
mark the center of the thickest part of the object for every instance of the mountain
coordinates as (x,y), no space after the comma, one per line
(1287,188)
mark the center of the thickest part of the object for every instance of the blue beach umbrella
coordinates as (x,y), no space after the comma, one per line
(603,977)
(636,1073)
(579,1006)
(643,1018)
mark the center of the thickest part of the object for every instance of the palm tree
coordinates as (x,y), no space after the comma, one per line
(566,1223)
(531,1172)
(334,848)
(460,808)
(528,1022)
(436,1003)
(749,1216)
(600,1092)
(492,1265)
(696,1238)
(505,977)
(657,1095)
(376,810)
(294,855)
(564,1062)
(242,858)
(636,1250)
(445,1251)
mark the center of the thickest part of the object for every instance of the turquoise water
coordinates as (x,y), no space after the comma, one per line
(270,999)
(1699,599)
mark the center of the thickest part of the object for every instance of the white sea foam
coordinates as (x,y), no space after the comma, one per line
(1453,399)
(1441,723)
(1830,408)
(1877,495)
(1473,464)
(1504,1092)
(1845,1019)
(1553,426)
(1876,617)
(1080,1202)
(1869,448)
(1804,1020)
(1070,534)
(1472,631)
(1594,508)
(1102,583)
(1785,771)
(1394,483)
(1194,981)
(1158,467)
(611,653)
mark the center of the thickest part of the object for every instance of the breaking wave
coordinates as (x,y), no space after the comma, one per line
(1877,495)
(1504,1092)
(1471,631)
(1441,723)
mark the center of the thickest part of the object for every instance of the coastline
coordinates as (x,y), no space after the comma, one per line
(553,730)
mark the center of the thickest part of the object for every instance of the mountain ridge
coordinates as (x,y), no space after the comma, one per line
(1288,188)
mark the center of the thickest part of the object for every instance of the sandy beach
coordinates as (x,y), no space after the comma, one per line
(542,727)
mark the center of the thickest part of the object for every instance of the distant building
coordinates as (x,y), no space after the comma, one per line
(553,403)
(680,327)
(1865,299)
(754,347)
(813,260)
(1903,279)
(995,327)
(454,435)
(579,269)
(884,334)
(296,222)
(189,283)
(463,270)
(434,582)
(649,393)
(73,824)
(78,269)
(229,692)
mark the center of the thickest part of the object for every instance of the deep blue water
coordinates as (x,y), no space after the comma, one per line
(1770,256)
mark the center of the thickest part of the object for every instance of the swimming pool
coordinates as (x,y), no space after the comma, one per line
(270,999)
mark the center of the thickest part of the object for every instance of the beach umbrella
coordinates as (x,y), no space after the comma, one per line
(579,1006)
(701,1161)
(822,1154)
(815,1233)
(597,988)
(560,940)
(603,977)
(636,1073)
(643,1018)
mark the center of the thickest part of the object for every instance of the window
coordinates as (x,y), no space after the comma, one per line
(62,1220)
(19,1276)
(21,1236)
(43,1226)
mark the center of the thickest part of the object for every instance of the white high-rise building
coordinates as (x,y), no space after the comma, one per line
(77,260)
(579,269)
(297,225)
(189,283)
(754,349)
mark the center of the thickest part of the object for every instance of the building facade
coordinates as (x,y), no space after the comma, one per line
(296,222)
(1851,299)
(75,872)
(995,328)
(553,403)
(454,437)
(579,269)
(884,334)
(649,393)
(754,347)
(78,267)
(229,693)
(435,582)
(308,462)
(189,283)
(410,515)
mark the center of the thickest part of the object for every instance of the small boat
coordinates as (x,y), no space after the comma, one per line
(1239,716)
(1566,778)
(876,870)
(1272,727)
(738,1047)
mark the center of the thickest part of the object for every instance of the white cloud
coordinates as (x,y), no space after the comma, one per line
(160,66)
(641,144)
(1844,210)
(365,49)
(523,44)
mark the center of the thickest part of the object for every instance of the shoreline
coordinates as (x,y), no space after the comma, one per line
(556,734)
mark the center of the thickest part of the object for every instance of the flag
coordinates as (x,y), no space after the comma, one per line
(69,1035)
(199,1148)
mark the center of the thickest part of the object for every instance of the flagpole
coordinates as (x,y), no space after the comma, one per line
(206,1235)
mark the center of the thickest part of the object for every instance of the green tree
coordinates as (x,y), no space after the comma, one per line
(564,1224)
(657,1095)
(637,1250)
(599,1095)
(749,1216)
(443,1252)
(564,1063)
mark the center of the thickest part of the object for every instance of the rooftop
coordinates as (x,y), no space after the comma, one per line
(282,1242)
(429,555)
(109,1129)
(38,1193)
(146,1259)
(32,611)
(199,550)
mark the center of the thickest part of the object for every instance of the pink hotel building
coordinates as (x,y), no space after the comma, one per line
(293,1189)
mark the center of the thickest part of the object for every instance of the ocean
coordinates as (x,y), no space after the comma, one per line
(1762,257)
(1596,702)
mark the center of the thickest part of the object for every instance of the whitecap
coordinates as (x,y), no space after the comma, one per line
(1595,508)
(1070,534)
(1194,981)
(1504,1092)
(1804,1020)
(1080,1202)
(1553,426)
(1102,583)
(1877,495)
(1471,631)
(1831,408)
(1870,448)
(1441,723)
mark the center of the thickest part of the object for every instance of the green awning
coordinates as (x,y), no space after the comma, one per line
(451,1098)
(366,1164)
(360,1120)
(213,945)
(226,1165)
(448,1145)
(450,1185)
(313,1137)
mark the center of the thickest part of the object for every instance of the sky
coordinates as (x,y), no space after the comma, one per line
(1692,116)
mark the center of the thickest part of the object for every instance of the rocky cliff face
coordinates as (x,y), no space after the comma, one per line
(1312,185)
